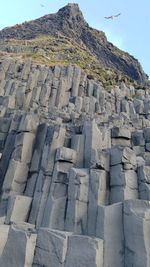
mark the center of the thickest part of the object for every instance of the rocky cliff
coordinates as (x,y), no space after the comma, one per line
(74,167)
(70,23)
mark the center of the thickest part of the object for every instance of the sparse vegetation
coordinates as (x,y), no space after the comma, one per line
(61,50)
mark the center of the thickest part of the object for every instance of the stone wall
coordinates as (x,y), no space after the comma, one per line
(74,170)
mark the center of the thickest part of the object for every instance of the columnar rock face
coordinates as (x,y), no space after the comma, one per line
(74,170)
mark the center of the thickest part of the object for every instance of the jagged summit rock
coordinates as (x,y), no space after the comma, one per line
(69,22)
(73,12)
(65,21)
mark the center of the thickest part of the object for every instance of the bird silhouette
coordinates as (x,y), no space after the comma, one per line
(113,16)
(42,5)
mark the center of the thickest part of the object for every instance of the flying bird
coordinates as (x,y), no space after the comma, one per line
(113,16)
(42,5)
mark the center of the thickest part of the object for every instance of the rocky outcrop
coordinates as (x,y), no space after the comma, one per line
(69,22)
(74,169)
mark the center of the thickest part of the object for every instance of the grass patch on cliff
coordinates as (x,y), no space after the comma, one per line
(61,50)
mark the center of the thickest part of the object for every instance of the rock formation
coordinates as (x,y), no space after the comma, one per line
(69,22)
(74,169)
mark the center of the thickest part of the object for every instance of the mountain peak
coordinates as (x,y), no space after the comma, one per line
(69,22)
(71,9)
(71,14)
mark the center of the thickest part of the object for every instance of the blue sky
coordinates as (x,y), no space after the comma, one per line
(130,31)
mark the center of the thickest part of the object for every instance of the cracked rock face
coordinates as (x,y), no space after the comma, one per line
(74,170)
